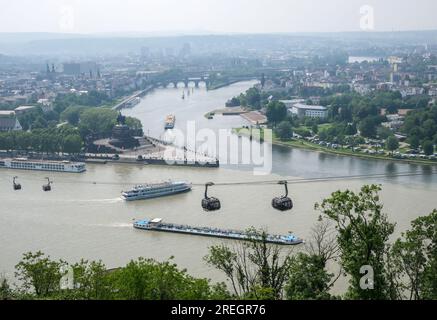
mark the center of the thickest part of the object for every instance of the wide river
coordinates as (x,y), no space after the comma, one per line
(83,216)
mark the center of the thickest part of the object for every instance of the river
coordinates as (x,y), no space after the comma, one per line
(83,217)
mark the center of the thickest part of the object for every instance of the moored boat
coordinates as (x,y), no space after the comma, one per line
(42,165)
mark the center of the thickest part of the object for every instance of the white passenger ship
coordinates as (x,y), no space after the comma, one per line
(43,165)
(156,190)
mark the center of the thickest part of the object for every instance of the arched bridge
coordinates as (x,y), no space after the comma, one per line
(186,81)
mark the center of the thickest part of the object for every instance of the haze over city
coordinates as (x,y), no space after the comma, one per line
(212,16)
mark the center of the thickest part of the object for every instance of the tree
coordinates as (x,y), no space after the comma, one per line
(134,123)
(308,279)
(91,281)
(255,268)
(414,142)
(363,232)
(97,121)
(37,273)
(253,98)
(392,143)
(276,112)
(428,147)
(5,289)
(384,132)
(72,115)
(367,128)
(284,130)
(415,256)
(39,123)
(308,275)
(72,144)
(146,279)
(351,129)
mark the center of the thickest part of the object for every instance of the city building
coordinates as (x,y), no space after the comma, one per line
(290,103)
(23,109)
(76,68)
(311,111)
(9,121)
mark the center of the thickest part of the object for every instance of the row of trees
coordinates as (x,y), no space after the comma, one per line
(421,128)
(99,121)
(65,139)
(68,138)
(353,234)
(256,99)
(90,99)
(37,119)
(40,277)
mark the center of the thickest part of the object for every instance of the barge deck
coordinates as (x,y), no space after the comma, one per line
(157,225)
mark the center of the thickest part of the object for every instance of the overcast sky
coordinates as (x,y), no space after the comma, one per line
(223,16)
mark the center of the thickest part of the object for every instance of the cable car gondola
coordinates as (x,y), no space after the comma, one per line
(283,203)
(210,203)
(17,186)
(47,187)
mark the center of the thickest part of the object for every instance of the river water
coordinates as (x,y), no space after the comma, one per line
(83,217)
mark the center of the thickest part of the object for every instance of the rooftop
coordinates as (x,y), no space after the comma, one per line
(24,108)
(7,113)
(309,107)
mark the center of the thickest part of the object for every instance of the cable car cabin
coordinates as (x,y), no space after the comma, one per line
(283,203)
(17,186)
(210,203)
(47,187)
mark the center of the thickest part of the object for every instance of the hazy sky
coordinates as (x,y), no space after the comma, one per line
(247,16)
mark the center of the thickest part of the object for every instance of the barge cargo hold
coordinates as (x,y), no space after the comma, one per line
(157,225)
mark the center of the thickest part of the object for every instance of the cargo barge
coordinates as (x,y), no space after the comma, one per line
(157,225)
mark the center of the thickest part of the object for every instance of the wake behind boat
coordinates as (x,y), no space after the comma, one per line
(155,190)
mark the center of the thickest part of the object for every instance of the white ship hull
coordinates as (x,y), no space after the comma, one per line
(41,165)
(140,193)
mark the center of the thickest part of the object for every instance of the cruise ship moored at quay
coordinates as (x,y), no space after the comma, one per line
(42,165)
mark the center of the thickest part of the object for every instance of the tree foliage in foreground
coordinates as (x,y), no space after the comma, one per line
(363,233)
(40,277)
(255,268)
(414,257)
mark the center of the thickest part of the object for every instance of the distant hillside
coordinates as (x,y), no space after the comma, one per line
(98,44)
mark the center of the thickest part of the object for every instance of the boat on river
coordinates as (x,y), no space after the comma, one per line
(170,121)
(157,224)
(155,190)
